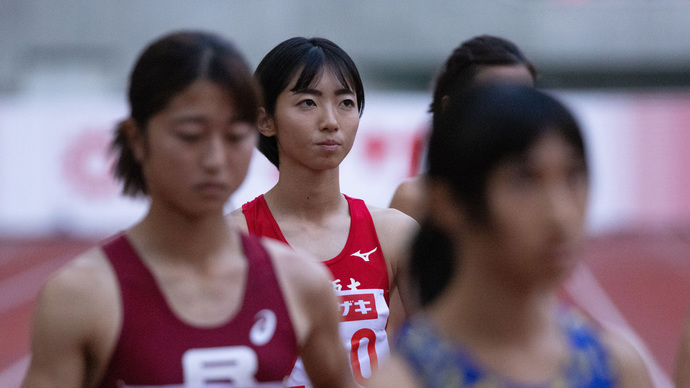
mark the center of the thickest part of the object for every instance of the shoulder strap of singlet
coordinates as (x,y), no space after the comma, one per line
(117,247)
(433,361)
(358,208)
(251,214)
(260,221)
(362,224)
(257,256)
(262,278)
(124,258)
(589,355)
(261,271)
(130,269)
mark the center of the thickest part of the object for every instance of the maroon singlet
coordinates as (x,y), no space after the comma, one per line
(156,348)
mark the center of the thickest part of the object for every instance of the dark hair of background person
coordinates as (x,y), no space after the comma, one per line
(479,130)
(167,67)
(308,57)
(469,58)
(457,76)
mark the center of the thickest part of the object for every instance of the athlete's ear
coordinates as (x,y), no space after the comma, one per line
(136,139)
(266,123)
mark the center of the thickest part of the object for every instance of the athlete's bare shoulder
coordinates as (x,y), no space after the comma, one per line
(388,219)
(77,314)
(409,197)
(88,278)
(627,359)
(87,292)
(393,374)
(394,228)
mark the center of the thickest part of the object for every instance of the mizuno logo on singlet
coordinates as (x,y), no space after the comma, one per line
(364,256)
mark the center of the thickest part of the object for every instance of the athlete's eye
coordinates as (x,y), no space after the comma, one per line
(238,132)
(189,137)
(235,138)
(307,102)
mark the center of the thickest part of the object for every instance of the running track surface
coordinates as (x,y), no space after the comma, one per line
(638,279)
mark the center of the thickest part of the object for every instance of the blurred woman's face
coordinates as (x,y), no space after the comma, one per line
(537,206)
(197,151)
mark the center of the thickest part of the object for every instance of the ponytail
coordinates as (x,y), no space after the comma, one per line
(432,263)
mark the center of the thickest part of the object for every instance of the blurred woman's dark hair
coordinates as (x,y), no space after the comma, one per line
(480,129)
(461,67)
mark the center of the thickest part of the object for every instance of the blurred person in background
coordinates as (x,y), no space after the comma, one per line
(313,100)
(479,59)
(181,298)
(508,184)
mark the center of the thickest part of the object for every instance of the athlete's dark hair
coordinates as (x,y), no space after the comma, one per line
(479,130)
(167,67)
(469,58)
(305,59)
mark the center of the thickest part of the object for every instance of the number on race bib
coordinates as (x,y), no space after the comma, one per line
(370,337)
(236,364)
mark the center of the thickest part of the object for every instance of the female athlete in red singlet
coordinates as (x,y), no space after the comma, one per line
(313,98)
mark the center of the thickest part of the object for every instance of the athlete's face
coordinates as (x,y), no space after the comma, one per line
(197,152)
(537,207)
(316,126)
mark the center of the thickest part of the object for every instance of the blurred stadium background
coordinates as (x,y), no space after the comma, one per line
(623,67)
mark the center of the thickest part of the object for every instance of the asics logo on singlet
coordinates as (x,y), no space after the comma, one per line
(265,323)
(364,256)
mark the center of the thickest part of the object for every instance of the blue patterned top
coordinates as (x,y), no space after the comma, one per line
(440,364)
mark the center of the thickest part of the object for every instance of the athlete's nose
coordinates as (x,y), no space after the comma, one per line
(213,153)
(330,121)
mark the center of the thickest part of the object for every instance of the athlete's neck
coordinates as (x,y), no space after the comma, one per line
(180,237)
(306,194)
(485,308)
(515,334)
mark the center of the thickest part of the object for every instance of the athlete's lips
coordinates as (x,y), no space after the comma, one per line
(212,188)
(329,145)
(329,142)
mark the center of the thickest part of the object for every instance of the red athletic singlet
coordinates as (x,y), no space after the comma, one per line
(361,283)
(156,348)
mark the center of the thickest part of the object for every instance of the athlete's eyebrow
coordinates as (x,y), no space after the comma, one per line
(197,118)
(342,91)
(315,92)
(188,118)
(307,91)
